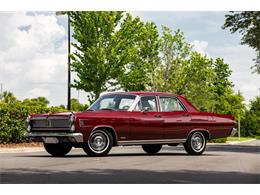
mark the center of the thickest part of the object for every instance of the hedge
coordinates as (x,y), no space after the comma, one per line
(12,118)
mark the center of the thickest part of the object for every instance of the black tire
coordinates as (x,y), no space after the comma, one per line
(58,150)
(152,148)
(99,144)
(196,143)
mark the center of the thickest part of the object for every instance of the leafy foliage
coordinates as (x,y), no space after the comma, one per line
(112,49)
(143,54)
(248,24)
(174,51)
(204,81)
(250,125)
(77,106)
(14,112)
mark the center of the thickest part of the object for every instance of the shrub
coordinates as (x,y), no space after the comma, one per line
(13,115)
(219,140)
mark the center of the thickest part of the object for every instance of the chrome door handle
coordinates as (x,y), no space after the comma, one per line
(158,116)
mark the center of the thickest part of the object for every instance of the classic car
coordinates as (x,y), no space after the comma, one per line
(149,119)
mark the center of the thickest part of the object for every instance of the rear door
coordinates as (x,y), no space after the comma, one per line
(176,120)
(145,120)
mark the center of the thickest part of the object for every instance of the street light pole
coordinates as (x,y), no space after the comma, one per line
(69,68)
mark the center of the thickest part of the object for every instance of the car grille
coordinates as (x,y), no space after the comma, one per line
(48,123)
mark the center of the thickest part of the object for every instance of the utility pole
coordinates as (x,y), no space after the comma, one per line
(69,68)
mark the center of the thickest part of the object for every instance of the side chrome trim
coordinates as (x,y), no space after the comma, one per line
(157,141)
(76,137)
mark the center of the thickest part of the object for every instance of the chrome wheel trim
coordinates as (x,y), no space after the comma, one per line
(197,142)
(98,142)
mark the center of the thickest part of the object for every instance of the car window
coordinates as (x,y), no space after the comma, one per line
(148,103)
(107,103)
(169,104)
(113,102)
(125,103)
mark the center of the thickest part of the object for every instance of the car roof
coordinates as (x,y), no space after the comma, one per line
(142,93)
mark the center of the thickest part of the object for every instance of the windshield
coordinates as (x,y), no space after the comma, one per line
(113,102)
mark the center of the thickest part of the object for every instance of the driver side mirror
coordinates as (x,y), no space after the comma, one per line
(145,109)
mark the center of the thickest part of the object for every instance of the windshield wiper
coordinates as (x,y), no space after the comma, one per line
(90,110)
(107,109)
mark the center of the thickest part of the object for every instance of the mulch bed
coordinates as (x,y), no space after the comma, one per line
(21,145)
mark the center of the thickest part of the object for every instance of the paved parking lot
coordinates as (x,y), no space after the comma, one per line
(219,164)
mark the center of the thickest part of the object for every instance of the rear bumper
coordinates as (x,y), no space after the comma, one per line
(55,137)
(233,131)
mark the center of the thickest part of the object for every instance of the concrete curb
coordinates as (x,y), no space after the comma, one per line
(239,142)
(21,150)
(232,142)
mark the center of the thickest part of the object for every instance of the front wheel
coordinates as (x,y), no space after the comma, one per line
(58,150)
(99,144)
(152,148)
(196,143)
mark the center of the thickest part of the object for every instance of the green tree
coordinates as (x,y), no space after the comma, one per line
(77,106)
(231,103)
(248,24)
(183,71)
(174,51)
(112,50)
(7,97)
(196,82)
(226,100)
(221,81)
(143,44)
(250,125)
(39,101)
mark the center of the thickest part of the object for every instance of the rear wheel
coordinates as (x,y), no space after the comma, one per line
(152,148)
(196,143)
(99,144)
(58,150)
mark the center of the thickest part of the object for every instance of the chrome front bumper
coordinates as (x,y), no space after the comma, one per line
(55,137)
(233,131)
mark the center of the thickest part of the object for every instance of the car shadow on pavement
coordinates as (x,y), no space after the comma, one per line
(225,148)
(115,155)
(235,148)
(125,176)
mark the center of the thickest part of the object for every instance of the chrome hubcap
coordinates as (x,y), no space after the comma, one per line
(98,142)
(197,142)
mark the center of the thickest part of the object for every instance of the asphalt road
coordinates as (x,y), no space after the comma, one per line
(219,164)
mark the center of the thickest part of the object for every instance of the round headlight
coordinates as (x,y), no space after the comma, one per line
(72,128)
(27,123)
(29,128)
(71,119)
(28,119)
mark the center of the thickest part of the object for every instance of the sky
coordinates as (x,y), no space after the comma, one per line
(33,51)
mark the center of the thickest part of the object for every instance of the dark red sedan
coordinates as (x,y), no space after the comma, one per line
(149,119)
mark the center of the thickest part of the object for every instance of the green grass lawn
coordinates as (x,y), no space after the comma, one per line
(241,138)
